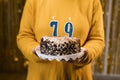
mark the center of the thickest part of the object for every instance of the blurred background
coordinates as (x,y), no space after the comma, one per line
(13,65)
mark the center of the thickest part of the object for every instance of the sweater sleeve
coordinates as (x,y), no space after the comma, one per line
(95,41)
(26,38)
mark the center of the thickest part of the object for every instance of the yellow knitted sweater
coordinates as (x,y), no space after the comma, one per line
(85,18)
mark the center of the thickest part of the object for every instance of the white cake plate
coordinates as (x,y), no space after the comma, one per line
(59,58)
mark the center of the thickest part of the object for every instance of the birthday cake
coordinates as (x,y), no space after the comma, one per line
(57,46)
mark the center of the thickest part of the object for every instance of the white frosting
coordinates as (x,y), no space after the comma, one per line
(60,39)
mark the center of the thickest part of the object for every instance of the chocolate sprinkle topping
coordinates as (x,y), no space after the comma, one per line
(49,47)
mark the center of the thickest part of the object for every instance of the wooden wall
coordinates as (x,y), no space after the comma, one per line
(113,55)
(10,14)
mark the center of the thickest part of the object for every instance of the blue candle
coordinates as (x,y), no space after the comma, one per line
(54,23)
(69,28)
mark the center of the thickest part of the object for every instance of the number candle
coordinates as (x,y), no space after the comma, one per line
(54,23)
(69,28)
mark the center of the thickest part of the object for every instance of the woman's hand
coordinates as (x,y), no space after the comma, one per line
(78,60)
(41,60)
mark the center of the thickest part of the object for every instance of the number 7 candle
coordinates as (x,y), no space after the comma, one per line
(54,23)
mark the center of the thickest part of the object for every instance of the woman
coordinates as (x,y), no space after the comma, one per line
(86,18)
